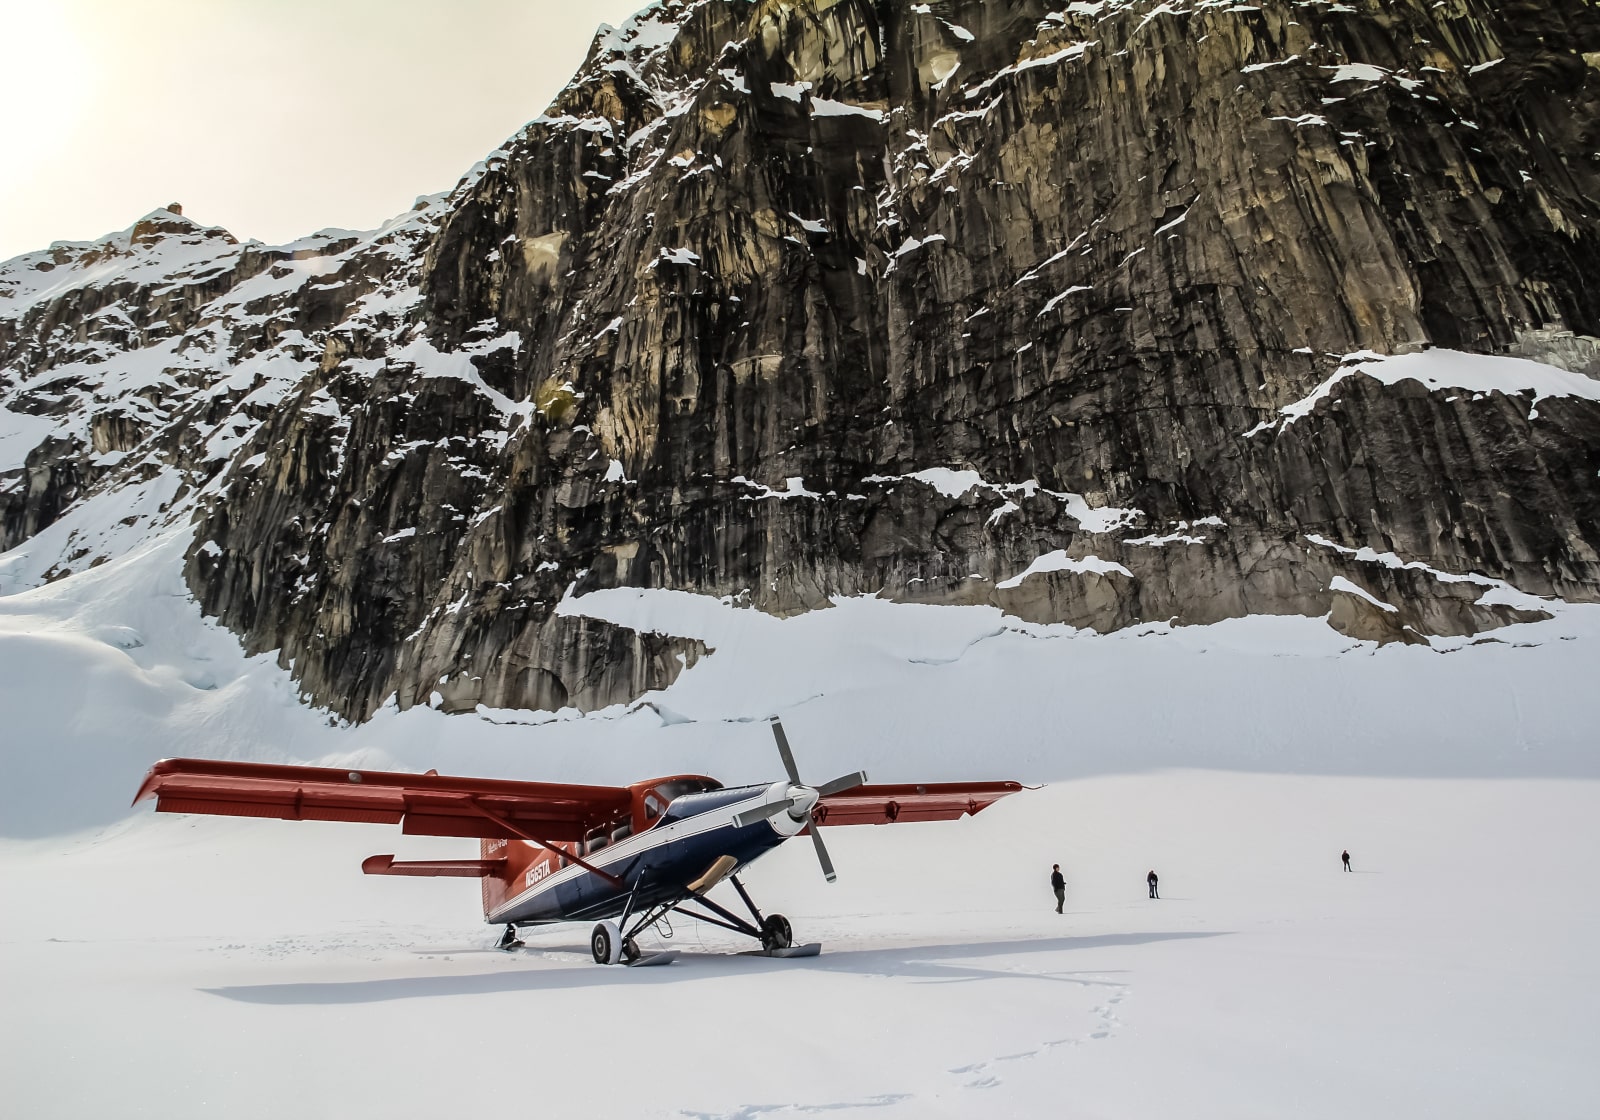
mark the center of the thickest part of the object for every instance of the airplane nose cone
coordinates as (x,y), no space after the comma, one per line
(792,805)
(805,799)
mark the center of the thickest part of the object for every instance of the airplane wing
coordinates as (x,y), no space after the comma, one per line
(898,804)
(421,804)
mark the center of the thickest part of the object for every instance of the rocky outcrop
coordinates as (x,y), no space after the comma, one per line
(1070,309)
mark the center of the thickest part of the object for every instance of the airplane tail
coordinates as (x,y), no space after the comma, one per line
(497,868)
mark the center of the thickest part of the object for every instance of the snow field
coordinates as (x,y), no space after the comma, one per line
(247,967)
(206,966)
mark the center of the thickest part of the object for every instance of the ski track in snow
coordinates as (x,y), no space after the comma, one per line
(749,1112)
(987,1074)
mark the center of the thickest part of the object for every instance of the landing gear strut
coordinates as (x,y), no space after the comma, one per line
(771,930)
(613,941)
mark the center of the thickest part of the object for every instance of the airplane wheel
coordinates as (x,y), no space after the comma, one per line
(775,932)
(631,950)
(605,942)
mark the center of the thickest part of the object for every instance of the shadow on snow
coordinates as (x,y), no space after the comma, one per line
(925,963)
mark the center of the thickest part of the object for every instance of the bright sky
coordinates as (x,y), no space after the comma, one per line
(273,118)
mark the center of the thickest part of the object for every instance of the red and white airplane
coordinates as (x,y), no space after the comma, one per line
(625,857)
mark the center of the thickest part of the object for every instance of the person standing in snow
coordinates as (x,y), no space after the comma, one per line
(1058,883)
(1153,880)
(1346,858)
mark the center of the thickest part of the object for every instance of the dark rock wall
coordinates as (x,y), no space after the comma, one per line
(761,260)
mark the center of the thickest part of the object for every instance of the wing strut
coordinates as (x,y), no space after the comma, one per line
(570,857)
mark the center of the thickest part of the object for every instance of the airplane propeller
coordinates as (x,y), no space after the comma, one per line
(802,799)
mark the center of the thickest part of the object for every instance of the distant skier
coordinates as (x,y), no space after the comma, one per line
(1153,880)
(1346,858)
(1058,883)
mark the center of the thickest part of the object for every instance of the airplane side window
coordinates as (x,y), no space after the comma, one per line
(653,806)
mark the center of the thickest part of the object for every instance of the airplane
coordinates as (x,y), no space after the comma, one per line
(624,857)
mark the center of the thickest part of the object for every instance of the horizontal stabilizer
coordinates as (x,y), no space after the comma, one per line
(444,868)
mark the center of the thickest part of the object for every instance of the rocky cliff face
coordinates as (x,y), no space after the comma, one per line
(1102,313)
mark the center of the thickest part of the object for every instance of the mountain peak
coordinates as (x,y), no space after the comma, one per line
(168,221)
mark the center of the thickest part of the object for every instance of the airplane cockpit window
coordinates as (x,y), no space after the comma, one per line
(680,786)
(656,801)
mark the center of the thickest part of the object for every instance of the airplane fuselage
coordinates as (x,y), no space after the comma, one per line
(646,868)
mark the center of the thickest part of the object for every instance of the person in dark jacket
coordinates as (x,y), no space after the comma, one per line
(1153,880)
(1346,858)
(1058,883)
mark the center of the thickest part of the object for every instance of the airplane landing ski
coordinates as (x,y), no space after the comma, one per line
(810,949)
(649,959)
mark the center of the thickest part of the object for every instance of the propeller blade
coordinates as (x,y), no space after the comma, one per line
(762,812)
(835,786)
(839,785)
(822,853)
(785,753)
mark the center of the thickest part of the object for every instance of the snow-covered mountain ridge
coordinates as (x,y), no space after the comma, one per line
(1103,315)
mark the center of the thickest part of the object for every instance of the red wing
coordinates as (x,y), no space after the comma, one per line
(891,804)
(422,804)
